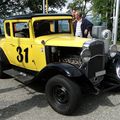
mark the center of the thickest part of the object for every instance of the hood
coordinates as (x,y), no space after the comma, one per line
(63,40)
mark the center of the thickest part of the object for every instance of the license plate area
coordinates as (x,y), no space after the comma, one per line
(100,73)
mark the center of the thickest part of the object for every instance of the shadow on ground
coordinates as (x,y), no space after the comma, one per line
(35,101)
(10,89)
(22,106)
(89,103)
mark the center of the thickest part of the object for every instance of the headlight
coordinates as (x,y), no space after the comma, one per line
(113,50)
(106,34)
(85,55)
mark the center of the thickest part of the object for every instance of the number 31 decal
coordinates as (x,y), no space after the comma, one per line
(20,56)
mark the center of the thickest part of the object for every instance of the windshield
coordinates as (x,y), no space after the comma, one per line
(45,27)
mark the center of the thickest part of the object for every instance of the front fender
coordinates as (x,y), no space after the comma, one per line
(113,68)
(65,69)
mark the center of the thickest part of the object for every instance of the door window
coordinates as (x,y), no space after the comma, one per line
(21,30)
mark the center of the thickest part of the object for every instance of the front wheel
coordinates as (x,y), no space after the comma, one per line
(63,95)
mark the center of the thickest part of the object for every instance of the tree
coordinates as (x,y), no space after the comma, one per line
(3,2)
(80,5)
(36,5)
(105,9)
(15,7)
(11,7)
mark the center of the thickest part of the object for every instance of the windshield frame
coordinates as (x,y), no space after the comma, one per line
(50,18)
(41,27)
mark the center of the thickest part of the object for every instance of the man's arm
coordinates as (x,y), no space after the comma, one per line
(87,27)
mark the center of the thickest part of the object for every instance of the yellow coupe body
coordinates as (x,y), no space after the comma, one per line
(29,52)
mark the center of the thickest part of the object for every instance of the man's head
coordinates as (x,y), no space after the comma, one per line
(73,13)
(78,15)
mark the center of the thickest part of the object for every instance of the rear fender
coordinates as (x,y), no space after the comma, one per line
(3,58)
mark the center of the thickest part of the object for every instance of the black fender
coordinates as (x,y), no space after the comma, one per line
(113,68)
(65,69)
(3,58)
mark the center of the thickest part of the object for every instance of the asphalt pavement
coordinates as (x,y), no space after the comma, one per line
(20,102)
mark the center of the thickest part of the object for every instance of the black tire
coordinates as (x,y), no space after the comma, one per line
(68,99)
(1,70)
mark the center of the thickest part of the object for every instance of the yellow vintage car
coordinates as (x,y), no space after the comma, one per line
(43,47)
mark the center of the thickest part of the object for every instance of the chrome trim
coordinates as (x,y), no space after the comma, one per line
(97,56)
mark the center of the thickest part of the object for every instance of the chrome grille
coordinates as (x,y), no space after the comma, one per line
(97,48)
(97,61)
(94,65)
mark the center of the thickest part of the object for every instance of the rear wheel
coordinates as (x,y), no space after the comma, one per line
(1,70)
(63,95)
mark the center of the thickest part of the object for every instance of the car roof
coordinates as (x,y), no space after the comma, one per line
(29,16)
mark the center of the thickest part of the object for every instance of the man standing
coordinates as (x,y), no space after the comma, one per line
(82,26)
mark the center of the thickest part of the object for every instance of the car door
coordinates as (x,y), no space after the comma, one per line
(20,45)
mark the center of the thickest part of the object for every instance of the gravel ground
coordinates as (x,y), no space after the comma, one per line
(20,102)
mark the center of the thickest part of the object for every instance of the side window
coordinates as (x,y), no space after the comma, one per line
(63,26)
(7,25)
(21,30)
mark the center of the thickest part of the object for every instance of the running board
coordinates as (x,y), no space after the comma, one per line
(20,76)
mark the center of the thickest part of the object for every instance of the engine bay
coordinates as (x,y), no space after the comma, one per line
(69,55)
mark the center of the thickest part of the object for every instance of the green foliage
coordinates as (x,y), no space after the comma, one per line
(14,7)
(11,7)
(36,5)
(3,2)
(119,27)
(103,7)
(80,5)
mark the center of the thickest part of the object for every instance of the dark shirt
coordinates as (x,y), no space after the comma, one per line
(85,25)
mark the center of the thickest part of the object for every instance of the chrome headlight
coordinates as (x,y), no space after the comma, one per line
(113,50)
(85,55)
(106,34)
